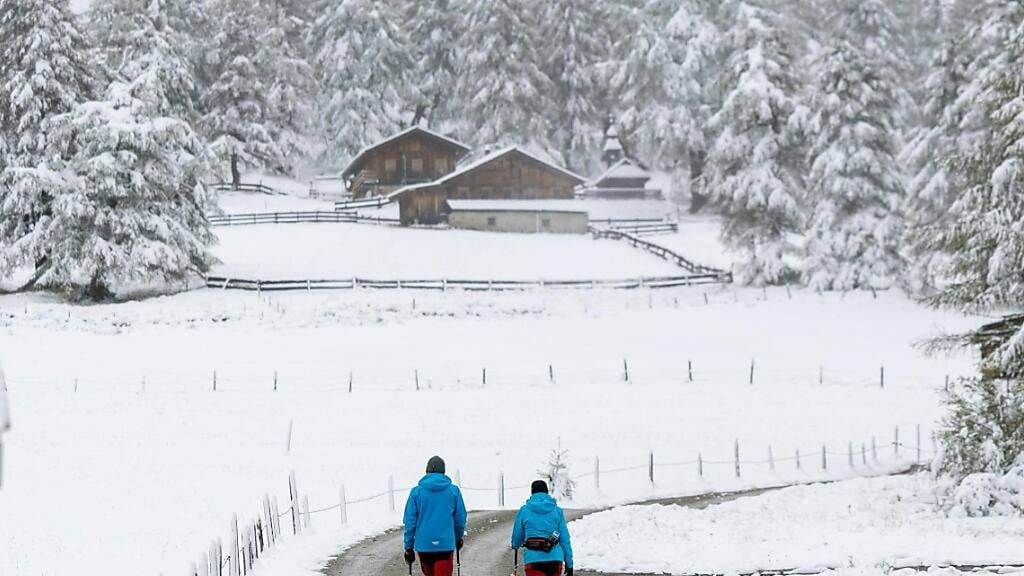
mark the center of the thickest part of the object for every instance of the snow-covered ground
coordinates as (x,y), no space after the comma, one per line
(863,523)
(136,471)
(338,251)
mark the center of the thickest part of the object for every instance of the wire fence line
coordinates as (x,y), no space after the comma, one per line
(305,381)
(264,531)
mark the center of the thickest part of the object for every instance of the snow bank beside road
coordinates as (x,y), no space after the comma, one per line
(856,523)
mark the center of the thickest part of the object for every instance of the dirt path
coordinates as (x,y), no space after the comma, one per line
(487,550)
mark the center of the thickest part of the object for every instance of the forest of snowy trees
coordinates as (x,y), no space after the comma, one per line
(847,144)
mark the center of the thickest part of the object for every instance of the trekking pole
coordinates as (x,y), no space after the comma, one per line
(515,561)
(458,562)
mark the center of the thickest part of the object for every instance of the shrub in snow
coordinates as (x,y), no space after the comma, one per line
(557,474)
(990,494)
(983,430)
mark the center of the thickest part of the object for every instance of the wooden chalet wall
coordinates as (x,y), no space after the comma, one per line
(414,158)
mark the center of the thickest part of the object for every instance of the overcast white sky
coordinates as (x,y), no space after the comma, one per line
(80,5)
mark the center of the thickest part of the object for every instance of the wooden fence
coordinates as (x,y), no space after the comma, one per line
(647,229)
(721,276)
(309,217)
(223,283)
(375,202)
(259,188)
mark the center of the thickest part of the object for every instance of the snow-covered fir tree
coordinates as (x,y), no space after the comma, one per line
(44,72)
(667,62)
(756,162)
(578,39)
(983,238)
(501,83)
(127,204)
(855,187)
(240,114)
(364,63)
(140,45)
(433,33)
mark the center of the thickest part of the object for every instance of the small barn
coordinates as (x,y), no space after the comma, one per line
(520,216)
(412,156)
(508,174)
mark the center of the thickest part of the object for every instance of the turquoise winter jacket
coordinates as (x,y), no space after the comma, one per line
(435,515)
(541,517)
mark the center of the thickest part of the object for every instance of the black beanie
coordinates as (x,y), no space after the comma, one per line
(435,465)
(539,487)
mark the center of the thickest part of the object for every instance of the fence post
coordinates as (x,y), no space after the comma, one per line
(483,376)
(874,449)
(275,380)
(501,489)
(288,448)
(821,375)
(771,459)
(305,511)
(824,458)
(551,374)
(700,465)
(276,515)
(751,372)
(391,493)
(214,380)
(896,442)
(849,447)
(293,492)
(863,454)
(689,369)
(736,456)
(918,433)
(233,560)
(650,466)
(797,458)
(417,377)
(625,370)
(350,382)
(881,377)
(597,472)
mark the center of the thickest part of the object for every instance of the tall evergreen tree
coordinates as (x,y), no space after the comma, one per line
(44,72)
(502,83)
(756,165)
(854,184)
(984,237)
(578,39)
(127,200)
(363,63)
(433,34)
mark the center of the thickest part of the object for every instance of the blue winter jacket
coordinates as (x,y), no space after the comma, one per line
(435,515)
(541,517)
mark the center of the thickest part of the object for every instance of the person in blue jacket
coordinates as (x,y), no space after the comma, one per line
(435,521)
(540,529)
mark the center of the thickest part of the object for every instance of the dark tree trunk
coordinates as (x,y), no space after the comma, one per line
(236,176)
(698,198)
(420,114)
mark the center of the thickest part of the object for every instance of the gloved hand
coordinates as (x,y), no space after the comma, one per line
(410,555)
(568,571)
(458,544)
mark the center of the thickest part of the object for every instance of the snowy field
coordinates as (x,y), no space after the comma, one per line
(867,524)
(339,251)
(149,448)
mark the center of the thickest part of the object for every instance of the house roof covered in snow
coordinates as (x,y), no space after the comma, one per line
(487,159)
(517,206)
(360,158)
(625,168)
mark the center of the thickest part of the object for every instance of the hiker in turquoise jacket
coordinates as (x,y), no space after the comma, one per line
(540,529)
(435,521)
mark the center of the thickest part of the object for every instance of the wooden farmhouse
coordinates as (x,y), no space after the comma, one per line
(412,156)
(507,174)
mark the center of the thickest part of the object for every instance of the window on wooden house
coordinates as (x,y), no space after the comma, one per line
(416,165)
(441,166)
(556,192)
(463,192)
(545,223)
(390,164)
(492,221)
(487,192)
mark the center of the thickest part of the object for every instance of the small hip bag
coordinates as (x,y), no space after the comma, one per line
(542,544)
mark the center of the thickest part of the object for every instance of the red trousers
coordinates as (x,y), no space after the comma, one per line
(543,569)
(436,563)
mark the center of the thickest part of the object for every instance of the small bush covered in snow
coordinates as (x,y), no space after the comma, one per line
(983,430)
(987,494)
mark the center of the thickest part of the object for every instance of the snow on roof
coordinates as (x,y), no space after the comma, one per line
(612,145)
(485,160)
(517,206)
(359,157)
(624,168)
